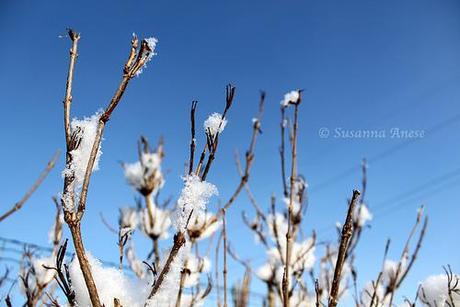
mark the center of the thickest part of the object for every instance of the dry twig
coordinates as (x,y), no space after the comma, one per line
(35,186)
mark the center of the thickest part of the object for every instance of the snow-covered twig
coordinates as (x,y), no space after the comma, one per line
(88,146)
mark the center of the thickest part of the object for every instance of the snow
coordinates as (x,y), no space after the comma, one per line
(139,172)
(129,217)
(290,97)
(85,130)
(202,224)
(215,124)
(194,197)
(368,292)
(167,293)
(110,282)
(152,44)
(159,228)
(362,215)
(44,276)
(434,291)
(196,266)
(390,268)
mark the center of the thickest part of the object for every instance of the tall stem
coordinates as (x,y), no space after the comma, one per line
(289,234)
(84,264)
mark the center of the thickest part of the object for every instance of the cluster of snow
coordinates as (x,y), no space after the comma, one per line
(110,282)
(297,196)
(152,44)
(214,123)
(135,264)
(201,224)
(195,266)
(42,275)
(85,131)
(376,291)
(193,200)
(393,269)
(434,291)
(129,217)
(167,293)
(302,256)
(290,97)
(159,227)
(362,215)
(149,168)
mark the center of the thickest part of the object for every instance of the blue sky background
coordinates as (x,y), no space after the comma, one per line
(372,65)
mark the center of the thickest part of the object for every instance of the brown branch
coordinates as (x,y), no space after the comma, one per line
(230,95)
(74,37)
(217,269)
(317,290)
(249,160)
(192,141)
(347,231)
(290,233)
(73,219)
(282,155)
(34,187)
(179,241)
(224,271)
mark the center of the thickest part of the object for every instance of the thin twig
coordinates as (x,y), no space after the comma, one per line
(224,235)
(192,141)
(34,187)
(72,218)
(347,231)
(290,233)
(249,160)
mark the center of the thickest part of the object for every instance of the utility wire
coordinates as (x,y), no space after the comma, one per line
(383,154)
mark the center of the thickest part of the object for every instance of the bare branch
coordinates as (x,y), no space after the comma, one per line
(347,231)
(34,187)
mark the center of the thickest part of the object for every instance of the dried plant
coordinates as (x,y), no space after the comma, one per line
(178,272)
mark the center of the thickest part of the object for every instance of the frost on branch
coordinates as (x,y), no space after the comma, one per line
(214,123)
(151,43)
(110,282)
(193,200)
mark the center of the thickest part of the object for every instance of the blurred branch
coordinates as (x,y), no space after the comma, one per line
(34,187)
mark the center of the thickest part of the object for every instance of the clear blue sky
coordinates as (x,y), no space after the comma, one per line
(364,65)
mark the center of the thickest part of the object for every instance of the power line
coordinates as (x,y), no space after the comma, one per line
(392,114)
(255,295)
(383,154)
(401,200)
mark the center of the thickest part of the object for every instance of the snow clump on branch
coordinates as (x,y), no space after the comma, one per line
(193,200)
(214,123)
